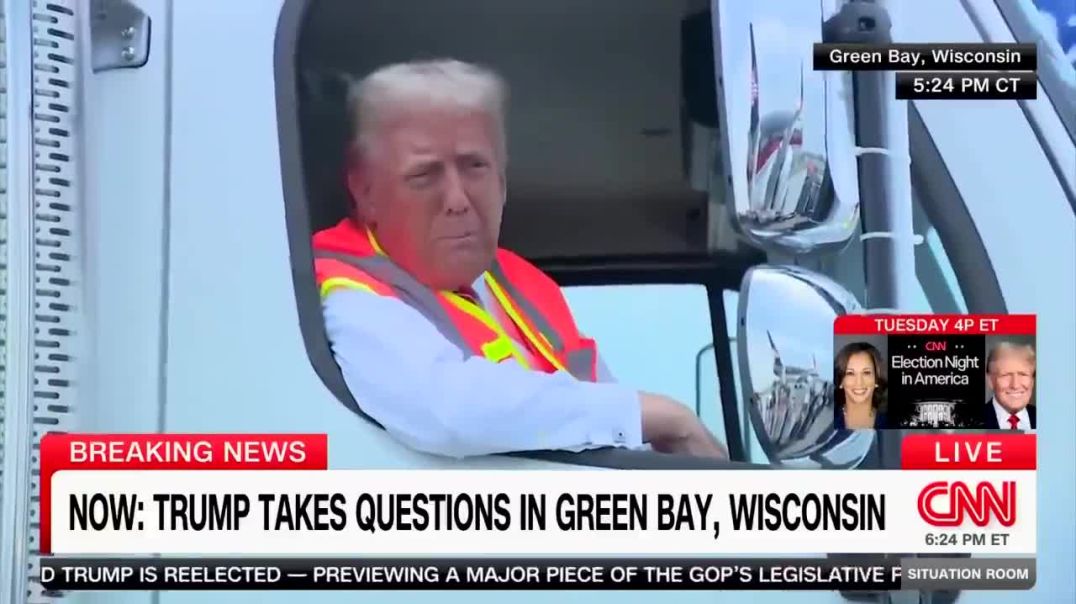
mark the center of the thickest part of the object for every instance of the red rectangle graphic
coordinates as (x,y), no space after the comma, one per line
(935,325)
(173,452)
(968,452)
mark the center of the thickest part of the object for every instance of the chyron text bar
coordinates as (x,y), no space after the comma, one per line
(925,57)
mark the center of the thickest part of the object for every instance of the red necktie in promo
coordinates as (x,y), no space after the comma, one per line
(1013,421)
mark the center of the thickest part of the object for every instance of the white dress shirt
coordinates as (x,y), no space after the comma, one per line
(405,374)
(1003,417)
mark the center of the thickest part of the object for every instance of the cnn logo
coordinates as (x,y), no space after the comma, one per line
(946,503)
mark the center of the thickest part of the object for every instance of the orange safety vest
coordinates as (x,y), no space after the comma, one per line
(348,255)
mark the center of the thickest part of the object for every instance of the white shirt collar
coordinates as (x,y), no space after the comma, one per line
(1003,417)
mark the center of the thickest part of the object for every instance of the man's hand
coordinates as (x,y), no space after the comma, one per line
(670,427)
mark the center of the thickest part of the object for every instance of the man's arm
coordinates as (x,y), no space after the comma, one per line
(419,386)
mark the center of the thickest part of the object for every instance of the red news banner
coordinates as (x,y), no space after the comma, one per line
(938,371)
(272,495)
(171,452)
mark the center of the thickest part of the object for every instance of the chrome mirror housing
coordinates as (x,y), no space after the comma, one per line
(791,141)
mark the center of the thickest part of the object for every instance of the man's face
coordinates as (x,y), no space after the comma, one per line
(1012,378)
(433,192)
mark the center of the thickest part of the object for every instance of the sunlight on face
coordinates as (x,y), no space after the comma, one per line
(432,190)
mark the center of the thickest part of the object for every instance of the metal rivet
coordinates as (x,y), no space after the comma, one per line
(128,53)
(128,33)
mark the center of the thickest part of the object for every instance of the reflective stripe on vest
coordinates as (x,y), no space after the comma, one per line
(548,334)
(579,362)
(541,336)
(335,282)
(542,345)
(499,349)
(503,342)
(407,289)
(419,297)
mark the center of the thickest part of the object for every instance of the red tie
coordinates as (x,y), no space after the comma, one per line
(1013,420)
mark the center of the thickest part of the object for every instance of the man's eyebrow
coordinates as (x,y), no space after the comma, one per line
(421,164)
(473,154)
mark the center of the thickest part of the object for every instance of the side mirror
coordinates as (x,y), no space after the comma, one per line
(785,349)
(790,137)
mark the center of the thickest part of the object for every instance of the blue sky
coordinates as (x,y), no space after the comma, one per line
(1061,18)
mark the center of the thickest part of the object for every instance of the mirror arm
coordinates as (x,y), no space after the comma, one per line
(881,123)
(698,377)
(735,437)
(881,126)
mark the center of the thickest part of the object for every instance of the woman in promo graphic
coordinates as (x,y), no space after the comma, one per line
(860,387)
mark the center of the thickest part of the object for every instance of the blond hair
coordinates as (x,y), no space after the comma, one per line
(441,84)
(1005,348)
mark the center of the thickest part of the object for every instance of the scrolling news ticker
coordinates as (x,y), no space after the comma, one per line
(864,573)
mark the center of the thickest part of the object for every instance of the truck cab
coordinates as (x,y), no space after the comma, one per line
(708,202)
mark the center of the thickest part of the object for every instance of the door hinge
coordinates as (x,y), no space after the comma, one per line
(119,35)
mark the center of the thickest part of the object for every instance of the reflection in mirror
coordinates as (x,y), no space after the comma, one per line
(784,345)
(790,152)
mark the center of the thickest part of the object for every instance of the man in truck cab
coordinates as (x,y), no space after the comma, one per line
(458,347)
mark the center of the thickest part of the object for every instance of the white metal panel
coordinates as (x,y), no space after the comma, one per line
(1029,230)
(18,301)
(44,283)
(3,233)
(1041,110)
(58,239)
(124,184)
(125,170)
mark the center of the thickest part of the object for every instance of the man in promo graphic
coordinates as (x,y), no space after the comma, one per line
(456,346)
(1010,373)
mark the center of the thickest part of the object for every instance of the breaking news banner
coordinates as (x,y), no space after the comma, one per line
(878,573)
(968,85)
(935,372)
(925,57)
(272,495)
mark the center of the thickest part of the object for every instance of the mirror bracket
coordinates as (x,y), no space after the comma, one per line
(858,23)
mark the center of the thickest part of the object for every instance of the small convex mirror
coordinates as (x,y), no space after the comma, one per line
(785,353)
